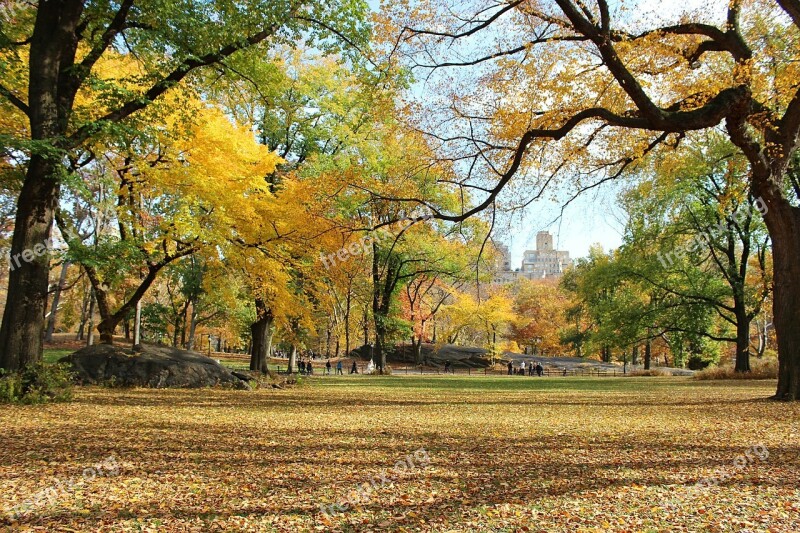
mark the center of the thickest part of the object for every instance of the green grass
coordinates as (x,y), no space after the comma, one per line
(52,355)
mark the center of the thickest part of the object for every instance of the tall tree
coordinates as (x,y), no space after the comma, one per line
(52,51)
(588,89)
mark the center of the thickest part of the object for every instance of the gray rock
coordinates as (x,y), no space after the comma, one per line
(151,366)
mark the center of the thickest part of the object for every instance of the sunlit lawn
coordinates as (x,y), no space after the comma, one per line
(506,454)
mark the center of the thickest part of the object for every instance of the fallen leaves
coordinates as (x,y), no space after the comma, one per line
(505,456)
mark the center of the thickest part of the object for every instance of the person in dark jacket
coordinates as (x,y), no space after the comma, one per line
(510,368)
(354,368)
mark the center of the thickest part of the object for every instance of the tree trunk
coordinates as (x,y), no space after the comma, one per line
(50,100)
(137,325)
(176,328)
(28,280)
(192,327)
(90,335)
(635,355)
(261,333)
(648,353)
(292,359)
(783,221)
(87,295)
(51,322)
(742,341)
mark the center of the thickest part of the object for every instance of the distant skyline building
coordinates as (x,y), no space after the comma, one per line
(542,263)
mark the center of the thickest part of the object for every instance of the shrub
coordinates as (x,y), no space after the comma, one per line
(765,368)
(657,371)
(38,383)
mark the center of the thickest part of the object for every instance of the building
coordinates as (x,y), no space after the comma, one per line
(542,263)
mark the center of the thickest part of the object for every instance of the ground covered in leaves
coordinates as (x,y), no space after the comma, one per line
(480,454)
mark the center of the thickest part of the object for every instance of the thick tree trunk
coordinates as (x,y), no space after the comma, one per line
(648,354)
(261,333)
(52,45)
(28,280)
(783,221)
(51,321)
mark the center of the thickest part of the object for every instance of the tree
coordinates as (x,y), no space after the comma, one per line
(63,42)
(165,206)
(540,308)
(701,241)
(587,91)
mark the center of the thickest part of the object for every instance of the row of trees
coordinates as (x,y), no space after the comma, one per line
(244,195)
(132,127)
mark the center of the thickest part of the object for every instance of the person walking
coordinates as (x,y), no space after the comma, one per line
(510,368)
(354,368)
(539,369)
(339,368)
(531,368)
(328,367)
(302,366)
(522,368)
(309,368)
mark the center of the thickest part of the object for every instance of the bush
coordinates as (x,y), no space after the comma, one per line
(657,371)
(696,362)
(38,383)
(765,368)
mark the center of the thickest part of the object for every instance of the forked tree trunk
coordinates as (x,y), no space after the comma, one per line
(261,332)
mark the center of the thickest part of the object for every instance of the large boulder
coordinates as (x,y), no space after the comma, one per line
(152,366)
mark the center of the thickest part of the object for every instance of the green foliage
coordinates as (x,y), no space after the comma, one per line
(39,383)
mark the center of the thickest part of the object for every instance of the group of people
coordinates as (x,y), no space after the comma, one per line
(533,367)
(305,367)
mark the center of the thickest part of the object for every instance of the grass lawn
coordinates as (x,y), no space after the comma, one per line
(444,453)
(52,355)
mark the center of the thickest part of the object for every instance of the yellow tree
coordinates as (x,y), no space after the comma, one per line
(540,308)
(164,204)
(49,54)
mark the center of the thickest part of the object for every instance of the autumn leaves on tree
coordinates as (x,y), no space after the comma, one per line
(202,162)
